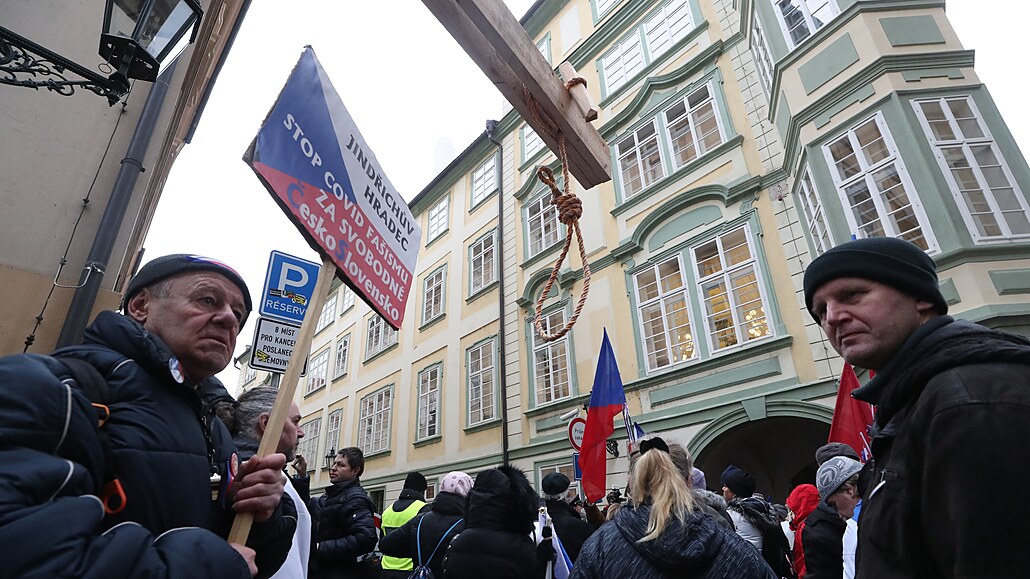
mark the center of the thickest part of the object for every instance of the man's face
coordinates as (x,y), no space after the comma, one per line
(197,315)
(292,433)
(865,321)
(845,500)
(341,471)
(727,493)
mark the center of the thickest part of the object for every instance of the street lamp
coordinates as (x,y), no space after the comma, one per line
(137,36)
(329,457)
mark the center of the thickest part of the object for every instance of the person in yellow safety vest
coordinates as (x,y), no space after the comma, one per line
(410,503)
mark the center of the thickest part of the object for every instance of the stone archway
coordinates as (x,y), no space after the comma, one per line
(778,450)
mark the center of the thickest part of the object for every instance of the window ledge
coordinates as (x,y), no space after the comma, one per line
(492,423)
(378,454)
(486,289)
(574,401)
(662,184)
(315,391)
(427,441)
(381,352)
(438,237)
(663,375)
(480,203)
(432,322)
(344,375)
(545,252)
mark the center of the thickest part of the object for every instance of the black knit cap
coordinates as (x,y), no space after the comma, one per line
(167,266)
(416,482)
(897,263)
(738,481)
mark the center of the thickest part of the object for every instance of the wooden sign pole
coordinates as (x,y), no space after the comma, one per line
(495,40)
(288,388)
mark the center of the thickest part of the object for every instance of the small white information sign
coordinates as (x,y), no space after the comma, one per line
(577,427)
(273,345)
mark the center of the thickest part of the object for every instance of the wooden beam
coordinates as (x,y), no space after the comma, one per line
(579,92)
(500,46)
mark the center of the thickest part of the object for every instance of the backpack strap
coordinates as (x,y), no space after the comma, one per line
(447,532)
(93,384)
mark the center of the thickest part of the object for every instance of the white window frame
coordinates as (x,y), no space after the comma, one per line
(318,372)
(332,431)
(483,263)
(342,357)
(379,336)
(966,145)
(667,25)
(726,274)
(482,402)
(806,13)
(812,207)
(249,374)
(865,175)
(484,180)
(434,298)
(531,143)
(603,6)
(552,375)
(328,314)
(438,220)
(348,299)
(544,46)
(764,63)
(308,446)
(543,229)
(428,418)
(633,155)
(690,112)
(374,415)
(672,348)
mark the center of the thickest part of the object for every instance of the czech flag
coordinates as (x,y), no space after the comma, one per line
(607,399)
(851,418)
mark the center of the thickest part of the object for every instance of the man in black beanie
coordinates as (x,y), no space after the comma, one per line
(408,505)
(570,528)
(124,418)
(952,418)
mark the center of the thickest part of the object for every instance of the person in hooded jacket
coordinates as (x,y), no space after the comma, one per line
(802,501)
(437,527)
(496,543)
(345,532)
(658,534)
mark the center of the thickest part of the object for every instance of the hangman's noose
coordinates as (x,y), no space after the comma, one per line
(570,209)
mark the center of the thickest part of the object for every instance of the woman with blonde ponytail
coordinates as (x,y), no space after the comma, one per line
(658,534)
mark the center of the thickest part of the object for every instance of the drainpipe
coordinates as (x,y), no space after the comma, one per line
(491,126)
(114,214)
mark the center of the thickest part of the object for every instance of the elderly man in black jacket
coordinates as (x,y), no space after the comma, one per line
(952,419)
(165,499)
(571,530)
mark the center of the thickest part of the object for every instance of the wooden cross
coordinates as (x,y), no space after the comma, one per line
(498,43)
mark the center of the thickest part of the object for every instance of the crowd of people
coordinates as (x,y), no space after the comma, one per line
(120,457)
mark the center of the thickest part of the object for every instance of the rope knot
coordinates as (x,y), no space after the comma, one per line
(570,208)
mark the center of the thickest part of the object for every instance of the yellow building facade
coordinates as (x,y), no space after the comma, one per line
(746,137)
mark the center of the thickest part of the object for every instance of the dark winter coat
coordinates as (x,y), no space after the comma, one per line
(496,542)
(345,531)
(952,422)
(51,466)
(572,530)
(696,547)
(822,539)
(446,509)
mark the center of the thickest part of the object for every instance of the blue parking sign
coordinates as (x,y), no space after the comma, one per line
(289,285)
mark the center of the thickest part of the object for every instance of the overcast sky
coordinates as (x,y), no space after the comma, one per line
(418,100)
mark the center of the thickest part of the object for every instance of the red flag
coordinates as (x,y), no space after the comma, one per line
(851,418)
(607,399)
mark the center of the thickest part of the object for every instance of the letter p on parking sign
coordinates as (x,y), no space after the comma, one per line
(289,285)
